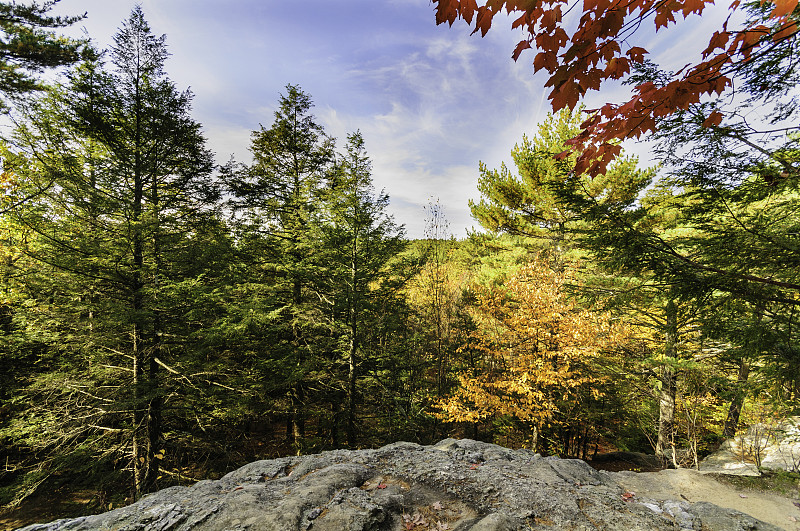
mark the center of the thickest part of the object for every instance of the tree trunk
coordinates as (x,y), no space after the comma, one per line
(666,409)
(140,457)
(351,400)
(534,439)
(141,453)
(289,430)
(335,414)
(296,395)
(298,421)
(735,409)
(154,410)
(666,402)
(154,405)
(352,362)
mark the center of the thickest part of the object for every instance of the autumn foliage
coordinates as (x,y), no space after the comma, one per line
(540,352)
(598,49)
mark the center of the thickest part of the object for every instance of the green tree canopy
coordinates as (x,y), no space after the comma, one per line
(123,192)
(28,45)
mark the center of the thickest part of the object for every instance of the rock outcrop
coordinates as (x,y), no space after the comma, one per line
(775,446)
(453,485)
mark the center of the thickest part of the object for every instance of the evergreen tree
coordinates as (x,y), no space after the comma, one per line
(733,166)
(613,222)
(358,240)
(276,197)
(29,46)
(529,203)
(128,183)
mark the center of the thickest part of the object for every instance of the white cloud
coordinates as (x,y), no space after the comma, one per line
(430,101)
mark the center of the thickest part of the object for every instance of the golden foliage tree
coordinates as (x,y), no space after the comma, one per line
(542,355)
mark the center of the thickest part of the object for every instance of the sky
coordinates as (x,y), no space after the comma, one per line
(430,101)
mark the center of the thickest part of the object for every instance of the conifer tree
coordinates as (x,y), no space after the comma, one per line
(358,240)
(29,46)
(574,215)
(529,202)
(276,197)
(127,179)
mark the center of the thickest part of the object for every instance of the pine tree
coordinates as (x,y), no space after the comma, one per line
(358,240)
(613,223)
(125,176)
(530,203)
(276,197)
(29,47)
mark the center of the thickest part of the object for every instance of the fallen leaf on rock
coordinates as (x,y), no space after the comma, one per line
(628,496)
(382,485)
(412,521)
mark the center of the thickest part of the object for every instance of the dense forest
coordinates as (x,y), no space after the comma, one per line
(165,319)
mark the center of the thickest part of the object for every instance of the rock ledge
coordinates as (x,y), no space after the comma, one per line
(456,485)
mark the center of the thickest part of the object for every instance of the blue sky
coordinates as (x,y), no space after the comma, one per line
(431,101)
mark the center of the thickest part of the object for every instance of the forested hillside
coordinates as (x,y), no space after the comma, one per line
(165,318)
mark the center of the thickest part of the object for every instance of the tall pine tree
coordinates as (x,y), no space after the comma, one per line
(358,240)
(125,180)
(275,198)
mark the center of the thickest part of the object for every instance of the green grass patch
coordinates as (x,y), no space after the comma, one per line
(770,481)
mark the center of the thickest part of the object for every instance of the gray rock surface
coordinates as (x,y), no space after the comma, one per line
(454,485)
(775,446)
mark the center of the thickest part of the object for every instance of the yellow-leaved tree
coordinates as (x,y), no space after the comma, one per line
(543,358)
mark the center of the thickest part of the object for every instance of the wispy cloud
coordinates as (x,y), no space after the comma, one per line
(453,100)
